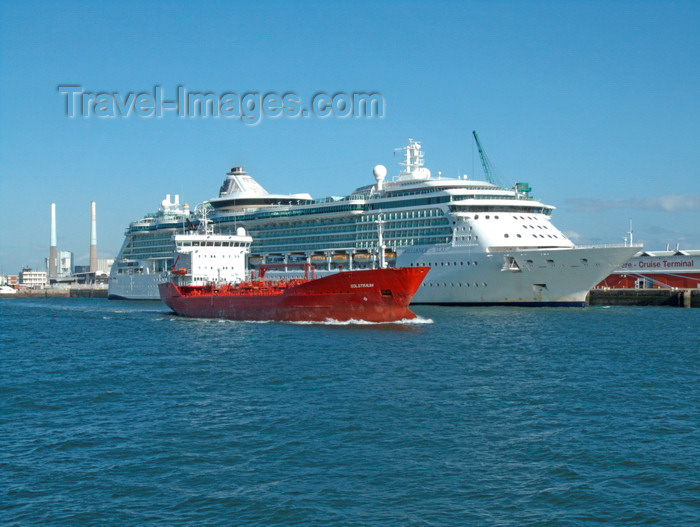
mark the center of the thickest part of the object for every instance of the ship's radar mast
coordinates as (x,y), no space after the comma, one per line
(205,224)
(413,162)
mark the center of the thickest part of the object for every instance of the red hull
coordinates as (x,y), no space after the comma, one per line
(374,295)
(661,280)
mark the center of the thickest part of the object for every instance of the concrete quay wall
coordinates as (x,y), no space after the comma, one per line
(77,292)
(644,297)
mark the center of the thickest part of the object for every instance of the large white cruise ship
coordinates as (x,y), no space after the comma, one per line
(485,244)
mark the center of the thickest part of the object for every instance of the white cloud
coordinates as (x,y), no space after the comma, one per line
(573,236)
(672,203)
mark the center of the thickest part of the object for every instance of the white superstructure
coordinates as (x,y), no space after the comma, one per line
(485,244)
(205,257)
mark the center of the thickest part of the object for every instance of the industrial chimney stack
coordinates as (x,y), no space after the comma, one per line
(93,238)
(53,253)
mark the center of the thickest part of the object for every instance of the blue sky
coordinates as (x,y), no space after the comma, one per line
(595,104)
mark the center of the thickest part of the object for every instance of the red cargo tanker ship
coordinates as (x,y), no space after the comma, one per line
(373,295)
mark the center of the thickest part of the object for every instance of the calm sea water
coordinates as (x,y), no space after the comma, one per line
(118,413)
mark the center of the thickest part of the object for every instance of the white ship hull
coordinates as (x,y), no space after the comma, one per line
(135,286)
(528,277)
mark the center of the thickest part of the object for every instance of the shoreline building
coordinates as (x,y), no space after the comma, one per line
(679,269)
(65,264)
(33,279)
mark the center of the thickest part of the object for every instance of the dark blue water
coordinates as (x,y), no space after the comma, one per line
(117,413)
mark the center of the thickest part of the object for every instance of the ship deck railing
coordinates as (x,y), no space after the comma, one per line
(609,245)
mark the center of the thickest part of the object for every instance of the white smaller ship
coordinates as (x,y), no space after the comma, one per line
(150,248)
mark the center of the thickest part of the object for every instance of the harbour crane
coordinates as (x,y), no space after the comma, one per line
(488,169)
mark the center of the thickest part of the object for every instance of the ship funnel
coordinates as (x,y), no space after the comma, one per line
(93,237)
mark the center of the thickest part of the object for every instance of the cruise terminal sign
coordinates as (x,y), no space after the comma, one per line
(657,263)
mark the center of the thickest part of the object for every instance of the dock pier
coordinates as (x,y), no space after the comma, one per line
(73,292)
(644,297)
